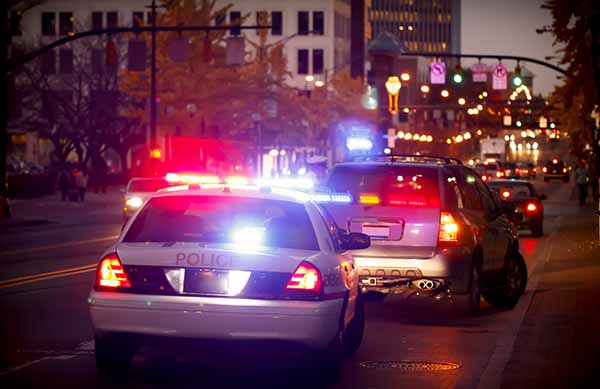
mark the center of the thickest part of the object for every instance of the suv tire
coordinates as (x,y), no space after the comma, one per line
(516,281)
(469,304)
(113,355)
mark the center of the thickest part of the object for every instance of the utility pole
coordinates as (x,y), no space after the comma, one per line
(153,80)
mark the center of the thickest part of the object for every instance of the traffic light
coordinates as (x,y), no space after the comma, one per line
(457,76)
(517,79)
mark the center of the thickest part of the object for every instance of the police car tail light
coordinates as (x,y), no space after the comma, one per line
(306,277)
(449,229)
(111,273)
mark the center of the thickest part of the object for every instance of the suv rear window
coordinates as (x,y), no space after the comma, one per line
(392,185)
(220,219)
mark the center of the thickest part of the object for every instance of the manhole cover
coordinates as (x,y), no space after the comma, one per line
(410,365)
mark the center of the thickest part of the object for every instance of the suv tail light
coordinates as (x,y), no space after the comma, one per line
(413,201)
(449,229)
(531,208)
(306,282)
(369,199)
(110,273)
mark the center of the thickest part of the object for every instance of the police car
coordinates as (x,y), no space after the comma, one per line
(223,262)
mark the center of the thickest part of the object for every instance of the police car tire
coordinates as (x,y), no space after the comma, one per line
(353,335)
(113,355)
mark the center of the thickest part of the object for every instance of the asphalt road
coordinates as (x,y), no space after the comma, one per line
(46,271)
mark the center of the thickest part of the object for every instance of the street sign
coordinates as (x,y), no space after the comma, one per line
(479,71)
(499,77)
(437,72)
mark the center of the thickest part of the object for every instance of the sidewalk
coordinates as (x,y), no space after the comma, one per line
(51,209)
(558,345)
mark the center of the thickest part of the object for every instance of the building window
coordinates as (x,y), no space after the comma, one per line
(47,62)
(15,23)
(112,19)
(318,22)
(302,23)
(220,19)
(302,61)
(277,23)
(48,23)
(97,20)
(235,17)
(318,61)
(97,56)
(149,17)
(137,19)
(262,19)
(65,26)
(65,61)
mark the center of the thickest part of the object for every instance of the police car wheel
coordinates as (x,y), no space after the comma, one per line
(113,354)
(353,335)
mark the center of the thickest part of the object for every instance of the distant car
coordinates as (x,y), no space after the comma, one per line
(435,230)
(228,263)
(528,203)
(511,170)
(556,169)
(490,170)
(137,191)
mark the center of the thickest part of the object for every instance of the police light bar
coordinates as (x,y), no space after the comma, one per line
(303,183)
(191,179)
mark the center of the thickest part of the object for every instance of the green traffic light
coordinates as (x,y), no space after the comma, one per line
(517,81)
(457,78)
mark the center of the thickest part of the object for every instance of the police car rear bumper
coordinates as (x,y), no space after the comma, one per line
(310,323)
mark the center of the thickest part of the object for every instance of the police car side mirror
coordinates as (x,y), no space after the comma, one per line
(356,241)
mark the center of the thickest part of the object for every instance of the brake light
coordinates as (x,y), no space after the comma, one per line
(555,161)
(531,208)
(192,179)
(499,174)
(110,273)
(484,178)
(544,169)
(517,170)
(449,229)
(305,282)
(369,199)
(564,169)
(506,194)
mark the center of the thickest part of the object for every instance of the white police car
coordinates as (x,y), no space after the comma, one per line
(228,263)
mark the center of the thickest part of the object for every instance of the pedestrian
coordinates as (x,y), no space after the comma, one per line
(582,177)
(81,181)
(64,183)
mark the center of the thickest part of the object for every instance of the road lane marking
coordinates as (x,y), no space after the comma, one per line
(58,246)
(18,281)
(492,375)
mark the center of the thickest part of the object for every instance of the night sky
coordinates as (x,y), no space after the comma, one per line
(508,27)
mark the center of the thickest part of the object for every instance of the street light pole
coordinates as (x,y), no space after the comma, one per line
(153,81)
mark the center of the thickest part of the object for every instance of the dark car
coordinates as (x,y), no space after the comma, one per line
(435,229)
(490,170)
(556,169)
(528,203)
(511,170)
(526,170)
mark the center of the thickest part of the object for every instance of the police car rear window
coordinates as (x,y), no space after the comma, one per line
(147,185)
(226,220)
(395,185)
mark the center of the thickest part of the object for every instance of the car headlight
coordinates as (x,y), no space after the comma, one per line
(134,202)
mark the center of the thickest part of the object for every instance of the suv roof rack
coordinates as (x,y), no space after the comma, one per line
(417,158)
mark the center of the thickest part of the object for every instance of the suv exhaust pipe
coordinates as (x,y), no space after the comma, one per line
(425,284)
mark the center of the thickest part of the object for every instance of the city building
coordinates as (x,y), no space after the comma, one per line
(360,36)
(316,33)
(421,26)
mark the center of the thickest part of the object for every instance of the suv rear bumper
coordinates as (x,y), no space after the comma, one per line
(448,269)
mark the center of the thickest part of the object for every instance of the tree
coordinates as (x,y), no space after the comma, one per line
(576,25)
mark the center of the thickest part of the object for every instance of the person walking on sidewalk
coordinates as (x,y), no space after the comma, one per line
(81,181)
(64,183)
(582,176)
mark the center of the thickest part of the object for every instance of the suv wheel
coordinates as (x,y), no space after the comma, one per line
(469,303)
(113,355)
(516,281)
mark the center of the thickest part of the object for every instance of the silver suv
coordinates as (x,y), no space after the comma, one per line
(436,230)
